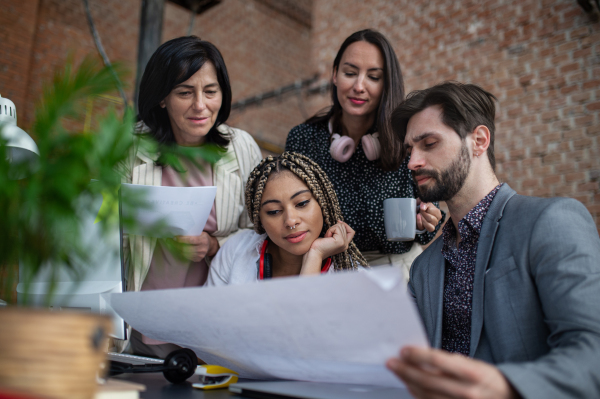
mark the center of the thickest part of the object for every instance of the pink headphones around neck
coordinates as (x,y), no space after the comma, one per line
(342,147)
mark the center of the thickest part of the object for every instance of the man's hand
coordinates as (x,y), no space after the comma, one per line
(195,248)
(428,217)
(433,373)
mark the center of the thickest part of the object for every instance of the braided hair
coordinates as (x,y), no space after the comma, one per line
(318,183)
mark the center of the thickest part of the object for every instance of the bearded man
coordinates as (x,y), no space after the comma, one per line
(510,296)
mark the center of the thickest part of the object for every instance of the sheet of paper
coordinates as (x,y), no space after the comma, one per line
(339,327)
(181,211)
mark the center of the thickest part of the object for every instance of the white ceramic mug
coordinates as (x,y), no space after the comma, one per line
(400,217)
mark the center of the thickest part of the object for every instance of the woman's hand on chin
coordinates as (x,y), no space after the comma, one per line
(336,240)
(195,248)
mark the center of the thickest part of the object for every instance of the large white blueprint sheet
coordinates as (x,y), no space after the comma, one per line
(183,211)
(339,327)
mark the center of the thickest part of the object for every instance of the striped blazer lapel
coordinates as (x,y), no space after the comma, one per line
(229,186)
(147,173)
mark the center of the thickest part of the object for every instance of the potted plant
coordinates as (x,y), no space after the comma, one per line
(57,354)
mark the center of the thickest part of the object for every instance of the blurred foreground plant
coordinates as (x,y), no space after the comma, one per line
(39,215)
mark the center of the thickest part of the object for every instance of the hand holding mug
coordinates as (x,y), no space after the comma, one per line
(428,217)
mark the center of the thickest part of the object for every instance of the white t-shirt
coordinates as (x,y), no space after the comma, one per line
(236,262)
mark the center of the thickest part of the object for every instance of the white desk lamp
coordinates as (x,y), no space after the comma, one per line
(21,147)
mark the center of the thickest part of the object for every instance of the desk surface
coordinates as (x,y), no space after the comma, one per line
(157,387)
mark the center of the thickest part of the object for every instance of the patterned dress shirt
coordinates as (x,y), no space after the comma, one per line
(460,272)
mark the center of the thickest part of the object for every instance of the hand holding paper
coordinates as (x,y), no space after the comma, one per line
(197,247)
(436,373)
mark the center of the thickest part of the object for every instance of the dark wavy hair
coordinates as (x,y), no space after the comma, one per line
(391,97)
(464,107)
(173,63)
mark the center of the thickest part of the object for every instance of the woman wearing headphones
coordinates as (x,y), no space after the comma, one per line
(354,144)
(184,100)
(298,227)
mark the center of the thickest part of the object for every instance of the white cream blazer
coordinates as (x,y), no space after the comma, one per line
(230,175)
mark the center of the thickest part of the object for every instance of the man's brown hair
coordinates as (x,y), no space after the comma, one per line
(464,107)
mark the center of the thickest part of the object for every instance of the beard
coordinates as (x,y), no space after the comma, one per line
(447,184)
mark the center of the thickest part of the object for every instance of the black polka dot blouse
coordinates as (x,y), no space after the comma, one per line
(361,188)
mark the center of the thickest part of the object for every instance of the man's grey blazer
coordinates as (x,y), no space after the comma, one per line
(536,295)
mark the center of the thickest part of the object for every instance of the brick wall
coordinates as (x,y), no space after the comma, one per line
(57,30)
(264,48)
(265,43)
(17,31)
(541,58)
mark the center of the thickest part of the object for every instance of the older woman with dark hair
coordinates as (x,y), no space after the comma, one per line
(184,100)
(353,142)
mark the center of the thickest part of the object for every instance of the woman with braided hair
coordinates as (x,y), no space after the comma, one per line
(298,226)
